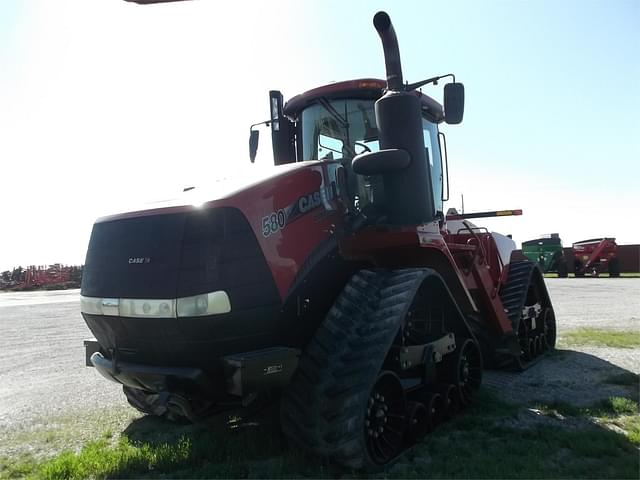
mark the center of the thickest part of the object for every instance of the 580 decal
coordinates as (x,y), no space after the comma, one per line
(274,222)
(304,204)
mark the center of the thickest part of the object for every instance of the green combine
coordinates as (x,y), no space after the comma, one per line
(547,252)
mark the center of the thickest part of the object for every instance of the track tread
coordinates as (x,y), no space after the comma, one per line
(514,296)
(326,416)
(514,293)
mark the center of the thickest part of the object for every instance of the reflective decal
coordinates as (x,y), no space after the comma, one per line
(279,219)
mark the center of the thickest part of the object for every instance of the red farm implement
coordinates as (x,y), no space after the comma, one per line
(596,256)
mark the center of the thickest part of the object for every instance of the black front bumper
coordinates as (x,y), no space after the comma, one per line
(239,375)
(152,378)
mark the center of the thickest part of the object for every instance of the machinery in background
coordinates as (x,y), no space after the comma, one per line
(596,256)
(42,277)
(548,253)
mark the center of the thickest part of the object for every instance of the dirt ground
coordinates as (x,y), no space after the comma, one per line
(45,384)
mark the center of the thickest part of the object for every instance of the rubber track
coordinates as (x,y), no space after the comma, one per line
(514,293)
(323,408)
(514,296)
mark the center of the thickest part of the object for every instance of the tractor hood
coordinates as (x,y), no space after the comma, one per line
(218,237)
(209,194)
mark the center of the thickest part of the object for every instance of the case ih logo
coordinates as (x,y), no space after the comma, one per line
(139,260)
(302,205)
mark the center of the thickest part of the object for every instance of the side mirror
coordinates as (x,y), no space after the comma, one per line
(254,137)
(384,161)
(453,103)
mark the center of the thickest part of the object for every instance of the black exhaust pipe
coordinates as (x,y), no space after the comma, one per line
(408,192)
(383,26)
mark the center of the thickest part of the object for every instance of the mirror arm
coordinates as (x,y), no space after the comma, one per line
(266,123)
(434,80)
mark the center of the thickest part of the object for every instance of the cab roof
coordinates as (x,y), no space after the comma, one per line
(363,88)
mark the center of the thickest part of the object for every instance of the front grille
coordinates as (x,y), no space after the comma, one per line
(178,255)
(154,240)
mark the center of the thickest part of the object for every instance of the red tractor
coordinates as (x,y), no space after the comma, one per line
(595,256)
(337,281)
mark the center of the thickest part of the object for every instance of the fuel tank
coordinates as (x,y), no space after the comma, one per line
(212,273)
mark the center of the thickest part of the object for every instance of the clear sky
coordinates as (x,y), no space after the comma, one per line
(107,103)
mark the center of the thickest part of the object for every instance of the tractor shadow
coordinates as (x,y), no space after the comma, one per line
(571,415)
(232,444)
(516,415)
(566,376)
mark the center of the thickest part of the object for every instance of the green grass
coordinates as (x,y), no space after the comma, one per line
(619,411)
(487,441)
(611,407)
(18,467)
(602,337)
(151,447)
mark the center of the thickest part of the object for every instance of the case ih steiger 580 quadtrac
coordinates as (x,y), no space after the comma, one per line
(337,281)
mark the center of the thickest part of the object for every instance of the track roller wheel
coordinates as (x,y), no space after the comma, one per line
(463,368)
(549,328)
(386,419)
(526,345)
(451,399)
(470,370)
(417,421)
(436,409)
(534,347)
(543,340)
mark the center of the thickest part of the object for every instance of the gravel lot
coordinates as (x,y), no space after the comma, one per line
(43,376)
(595,302)
(42,370)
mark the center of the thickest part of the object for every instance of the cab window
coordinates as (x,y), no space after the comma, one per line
(338,129)
(432,150)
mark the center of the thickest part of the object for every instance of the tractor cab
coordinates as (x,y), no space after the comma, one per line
(337,122)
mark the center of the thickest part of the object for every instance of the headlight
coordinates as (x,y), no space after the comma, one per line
(91,305)
(212,303)
(164,308)
(205,304)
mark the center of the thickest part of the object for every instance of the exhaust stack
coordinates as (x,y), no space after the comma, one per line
(383,26)
(407,186)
